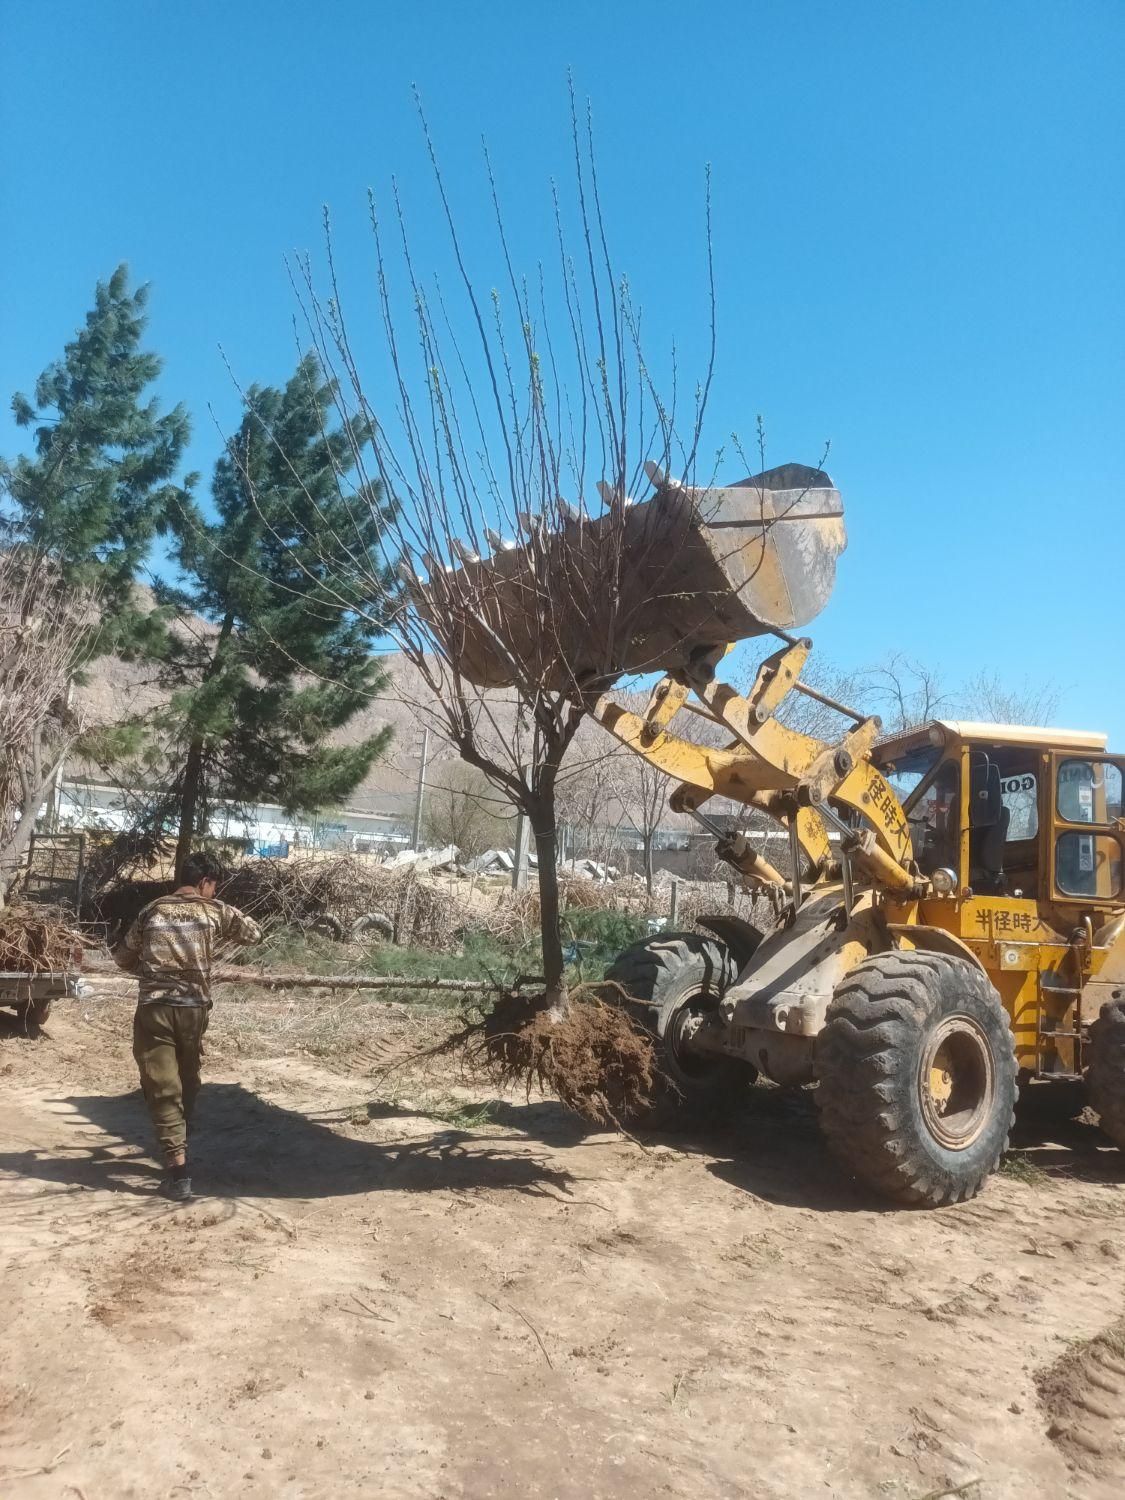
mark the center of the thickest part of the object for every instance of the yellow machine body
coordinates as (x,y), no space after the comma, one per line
(1003,845)
(1052,940)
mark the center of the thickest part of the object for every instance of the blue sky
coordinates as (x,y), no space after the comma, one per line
(919,222)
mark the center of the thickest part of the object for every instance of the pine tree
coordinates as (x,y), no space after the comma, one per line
(99,486)
(281,666)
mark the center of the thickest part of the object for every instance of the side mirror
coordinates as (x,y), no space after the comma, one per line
(986,805)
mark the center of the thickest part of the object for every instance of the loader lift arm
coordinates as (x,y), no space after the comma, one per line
(793,777)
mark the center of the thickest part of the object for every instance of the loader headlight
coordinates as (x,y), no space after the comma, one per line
(944,881)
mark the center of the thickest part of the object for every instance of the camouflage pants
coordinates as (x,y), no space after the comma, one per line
(168,1047)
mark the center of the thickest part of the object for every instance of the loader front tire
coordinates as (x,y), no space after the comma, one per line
(917,1074)
(1105,1077)
(662,984)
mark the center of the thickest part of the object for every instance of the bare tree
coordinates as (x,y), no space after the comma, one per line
(647,808)
(987,697)
(904,692)
(42,638)
(590,793)
(514,606)
(463,808)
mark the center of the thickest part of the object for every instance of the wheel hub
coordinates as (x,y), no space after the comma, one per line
(684,1027)
(957,1082)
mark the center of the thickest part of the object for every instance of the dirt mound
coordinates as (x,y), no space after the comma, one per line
(1083,1395)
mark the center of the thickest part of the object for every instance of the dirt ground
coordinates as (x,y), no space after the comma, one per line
(393,1293)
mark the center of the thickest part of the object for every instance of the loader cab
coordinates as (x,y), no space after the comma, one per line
(1013,811)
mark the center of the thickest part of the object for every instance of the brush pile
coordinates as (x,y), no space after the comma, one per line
(35,940)
(423,910)
(334,895)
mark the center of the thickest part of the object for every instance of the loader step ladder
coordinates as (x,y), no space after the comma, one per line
(1079,947)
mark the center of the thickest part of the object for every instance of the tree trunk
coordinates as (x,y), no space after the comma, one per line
(189,801)
(35,782)
(550,932)
(649,842)
(193,769)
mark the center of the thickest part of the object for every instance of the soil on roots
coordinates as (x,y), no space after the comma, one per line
(592,1058)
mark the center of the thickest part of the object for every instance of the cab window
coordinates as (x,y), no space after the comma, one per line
(907,772)
(1020,795)
(1088,864)
(934,816)
(1088,791)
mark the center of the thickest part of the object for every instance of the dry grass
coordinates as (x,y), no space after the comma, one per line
(352,1030)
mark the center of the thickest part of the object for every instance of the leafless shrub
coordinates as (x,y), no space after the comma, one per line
(42,635)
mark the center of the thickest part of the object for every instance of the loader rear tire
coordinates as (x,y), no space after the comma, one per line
(917,1077)
(661,983)
(1105,1077)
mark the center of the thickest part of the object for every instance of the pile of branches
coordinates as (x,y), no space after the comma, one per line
(35,940)
(348,897)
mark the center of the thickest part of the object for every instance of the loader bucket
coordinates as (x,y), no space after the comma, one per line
(640,588)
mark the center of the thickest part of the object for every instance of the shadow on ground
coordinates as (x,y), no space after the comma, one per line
(13,1025)
(771,1147)
(245,1146)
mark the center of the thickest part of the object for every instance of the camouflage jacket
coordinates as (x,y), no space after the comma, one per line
(172,943)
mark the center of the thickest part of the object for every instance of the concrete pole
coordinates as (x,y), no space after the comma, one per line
(674,905)
(523,840)
(417,841)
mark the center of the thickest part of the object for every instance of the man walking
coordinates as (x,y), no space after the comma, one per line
(170,947)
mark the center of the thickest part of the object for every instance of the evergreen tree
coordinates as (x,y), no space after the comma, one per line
(99,486)
(282,665)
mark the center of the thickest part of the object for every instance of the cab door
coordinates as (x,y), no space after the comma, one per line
(1086,853)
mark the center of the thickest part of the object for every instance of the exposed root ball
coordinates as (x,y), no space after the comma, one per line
(595,1060)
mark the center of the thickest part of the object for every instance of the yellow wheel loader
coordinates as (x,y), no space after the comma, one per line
(951,921)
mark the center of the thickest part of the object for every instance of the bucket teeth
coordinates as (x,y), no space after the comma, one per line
(684,565)
(609,495)
(499,543)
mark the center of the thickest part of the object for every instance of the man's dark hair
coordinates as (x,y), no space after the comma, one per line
(200,867)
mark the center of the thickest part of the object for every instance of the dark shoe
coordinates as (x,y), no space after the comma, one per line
(178,1189)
